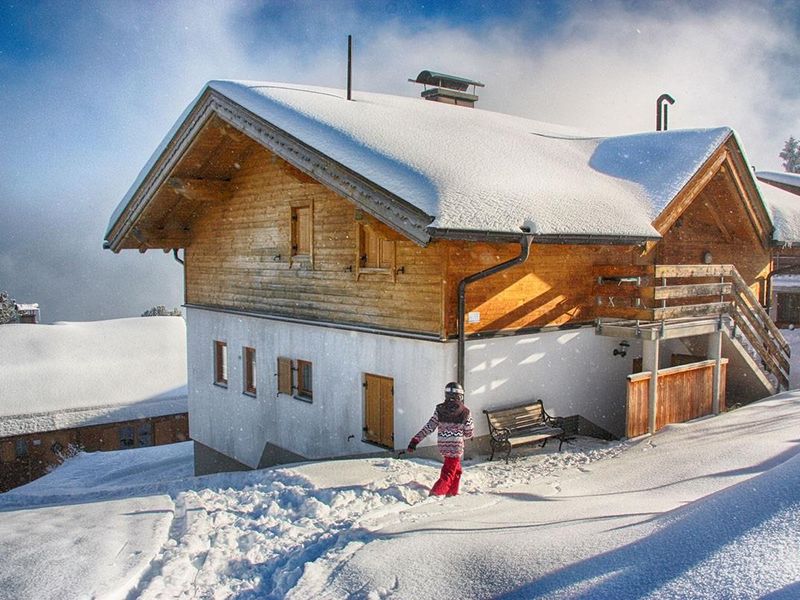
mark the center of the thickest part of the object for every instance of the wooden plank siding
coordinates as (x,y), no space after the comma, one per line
(240,257)
(554,287)
(684,393)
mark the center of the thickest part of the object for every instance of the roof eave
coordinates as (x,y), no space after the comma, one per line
(372,198)
(546,238)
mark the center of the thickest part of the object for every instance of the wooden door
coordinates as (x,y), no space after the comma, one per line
(379,410)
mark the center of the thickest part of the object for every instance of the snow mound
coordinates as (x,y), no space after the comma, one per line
(75,374)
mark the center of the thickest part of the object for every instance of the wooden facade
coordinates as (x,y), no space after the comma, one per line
(24,458)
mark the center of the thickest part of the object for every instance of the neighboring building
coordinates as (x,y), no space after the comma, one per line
(102,385)
(782,296)
(27,313)
(334,249)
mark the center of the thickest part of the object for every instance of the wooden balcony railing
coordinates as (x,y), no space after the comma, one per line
(653,293)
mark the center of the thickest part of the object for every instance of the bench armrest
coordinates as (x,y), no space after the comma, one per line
(501,435)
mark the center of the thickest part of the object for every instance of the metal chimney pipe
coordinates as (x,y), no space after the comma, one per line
(661,106)
(349,67)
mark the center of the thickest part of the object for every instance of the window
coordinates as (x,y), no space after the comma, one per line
(144,435)
(287,382)
(21,448)
(125,437)
(301,231)
(374,250)
(221,363)
(305,388)
(249,357)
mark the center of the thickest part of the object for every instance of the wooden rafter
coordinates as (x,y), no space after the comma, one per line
(719,222)
(201,190)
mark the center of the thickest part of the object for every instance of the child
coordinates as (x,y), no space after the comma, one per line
(455,425)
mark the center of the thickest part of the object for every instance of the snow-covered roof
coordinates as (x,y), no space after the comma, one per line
(27,307)
(77,374)
(475,170)
(788,179)
(784,210)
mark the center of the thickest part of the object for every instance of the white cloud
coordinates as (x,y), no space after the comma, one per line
(78,124)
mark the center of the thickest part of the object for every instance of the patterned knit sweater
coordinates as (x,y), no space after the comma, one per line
(455,425)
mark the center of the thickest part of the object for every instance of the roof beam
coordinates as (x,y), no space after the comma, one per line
(201,190)
(719,223)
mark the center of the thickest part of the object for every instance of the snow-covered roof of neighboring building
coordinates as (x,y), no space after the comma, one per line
(77,374)
(475,170)
(784,210)
(27,307)
(787,179)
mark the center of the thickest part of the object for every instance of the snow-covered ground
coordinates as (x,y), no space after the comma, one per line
(78,374)
(708,509)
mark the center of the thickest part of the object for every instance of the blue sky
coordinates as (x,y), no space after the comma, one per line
(90,88)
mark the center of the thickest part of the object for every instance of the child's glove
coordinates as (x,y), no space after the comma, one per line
(412,445)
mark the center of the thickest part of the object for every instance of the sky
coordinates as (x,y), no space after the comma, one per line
(89,89)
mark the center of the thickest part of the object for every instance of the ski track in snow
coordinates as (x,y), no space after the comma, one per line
(258,541)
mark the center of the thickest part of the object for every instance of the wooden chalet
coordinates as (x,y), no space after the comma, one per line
(345,259)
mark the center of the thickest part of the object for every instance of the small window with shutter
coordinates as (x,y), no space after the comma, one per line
(375,252)
(295,379)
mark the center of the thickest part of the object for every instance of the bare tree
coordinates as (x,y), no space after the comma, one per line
(8,309)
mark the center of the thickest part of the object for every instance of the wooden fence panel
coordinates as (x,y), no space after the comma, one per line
(684,393)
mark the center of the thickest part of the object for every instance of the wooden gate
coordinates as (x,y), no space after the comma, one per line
(684,393)
(379,410)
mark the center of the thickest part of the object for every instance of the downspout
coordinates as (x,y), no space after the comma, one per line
(525,250)
(175,254)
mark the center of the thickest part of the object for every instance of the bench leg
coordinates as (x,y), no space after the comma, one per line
(492,455)
(560,442)
(508,453)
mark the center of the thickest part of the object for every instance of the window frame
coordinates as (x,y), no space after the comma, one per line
(221,363)
(303,393)
(249,371)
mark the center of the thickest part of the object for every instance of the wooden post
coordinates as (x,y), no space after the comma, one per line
(715,354)
(650,351)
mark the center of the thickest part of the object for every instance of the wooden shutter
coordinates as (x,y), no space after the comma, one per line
(301,231)
(284,375)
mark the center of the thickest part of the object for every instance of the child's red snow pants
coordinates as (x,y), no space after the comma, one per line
(449,478)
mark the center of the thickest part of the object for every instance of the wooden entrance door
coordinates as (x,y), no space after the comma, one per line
(379,410)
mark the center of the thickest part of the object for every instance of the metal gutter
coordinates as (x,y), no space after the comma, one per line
(525,250)
(475,235)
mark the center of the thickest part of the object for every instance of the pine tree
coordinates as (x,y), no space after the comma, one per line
(791,155)
(8,309)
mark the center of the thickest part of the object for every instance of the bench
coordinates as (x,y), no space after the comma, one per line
(526,423)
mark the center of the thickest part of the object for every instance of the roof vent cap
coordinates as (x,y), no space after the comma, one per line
(449,89)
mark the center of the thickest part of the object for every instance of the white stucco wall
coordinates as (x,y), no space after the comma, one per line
(238,425)
(574,372)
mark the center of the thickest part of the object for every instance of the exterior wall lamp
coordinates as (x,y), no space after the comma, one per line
(623,349)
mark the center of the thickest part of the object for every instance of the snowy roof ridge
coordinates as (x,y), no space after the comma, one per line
(790,179)
(476,170)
